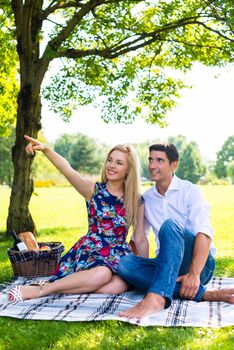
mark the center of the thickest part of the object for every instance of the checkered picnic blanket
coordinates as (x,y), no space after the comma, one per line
(99,307)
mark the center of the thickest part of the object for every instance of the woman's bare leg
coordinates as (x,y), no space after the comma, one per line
(79,282)
(115,286)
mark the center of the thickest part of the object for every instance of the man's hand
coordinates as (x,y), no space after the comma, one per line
(189,285)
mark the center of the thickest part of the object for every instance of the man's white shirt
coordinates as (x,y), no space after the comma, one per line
(183,202)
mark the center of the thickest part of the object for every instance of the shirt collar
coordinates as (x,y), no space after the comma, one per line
(174,185)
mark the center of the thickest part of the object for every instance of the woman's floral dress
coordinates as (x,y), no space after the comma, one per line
(105,242)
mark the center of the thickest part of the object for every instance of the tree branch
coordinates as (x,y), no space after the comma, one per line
(17,7)
(60,5)
(215,31)
(77,17)
(185,43)
(52,47)
(72,4)
(129,44)
(108,53)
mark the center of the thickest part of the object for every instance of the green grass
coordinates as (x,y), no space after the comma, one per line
(60,215)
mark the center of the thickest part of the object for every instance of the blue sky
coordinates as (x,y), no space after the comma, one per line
(205,114)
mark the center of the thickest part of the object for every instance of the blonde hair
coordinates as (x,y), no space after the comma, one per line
(132,192)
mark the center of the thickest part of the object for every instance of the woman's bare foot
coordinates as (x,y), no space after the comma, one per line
(225,294)
(151,304)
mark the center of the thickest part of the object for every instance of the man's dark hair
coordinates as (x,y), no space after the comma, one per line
(169,149)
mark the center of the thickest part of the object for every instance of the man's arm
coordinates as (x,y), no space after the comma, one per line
(191,280)
(199,218)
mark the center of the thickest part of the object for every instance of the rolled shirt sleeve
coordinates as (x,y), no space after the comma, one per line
(199,213)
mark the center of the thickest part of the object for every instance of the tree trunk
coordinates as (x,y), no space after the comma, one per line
(32,70)
(28,122)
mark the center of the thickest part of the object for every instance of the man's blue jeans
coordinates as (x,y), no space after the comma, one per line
(159,275)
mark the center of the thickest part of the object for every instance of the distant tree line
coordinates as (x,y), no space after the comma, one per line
(87,154)
(82,152)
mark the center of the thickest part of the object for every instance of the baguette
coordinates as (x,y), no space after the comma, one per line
(29,239)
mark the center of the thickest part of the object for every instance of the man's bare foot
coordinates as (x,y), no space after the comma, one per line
(226,295)
(151,304)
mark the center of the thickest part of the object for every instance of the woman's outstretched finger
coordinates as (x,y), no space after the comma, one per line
(30,139)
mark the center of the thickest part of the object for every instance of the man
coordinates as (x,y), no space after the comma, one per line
(184,263)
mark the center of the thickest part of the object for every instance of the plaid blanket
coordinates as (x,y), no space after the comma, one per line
(97,307)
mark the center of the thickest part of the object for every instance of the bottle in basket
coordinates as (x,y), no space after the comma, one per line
(20,245)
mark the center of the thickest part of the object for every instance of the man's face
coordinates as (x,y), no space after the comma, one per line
(159,166)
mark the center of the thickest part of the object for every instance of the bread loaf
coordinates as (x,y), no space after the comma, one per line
(29,239)
(44,247)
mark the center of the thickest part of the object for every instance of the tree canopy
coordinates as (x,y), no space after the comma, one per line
(224,157)
(230,171)
(125,51)
(190,165)
(8,71)
(83,153)
(119,53)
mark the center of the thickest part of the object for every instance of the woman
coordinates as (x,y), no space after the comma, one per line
(113,205)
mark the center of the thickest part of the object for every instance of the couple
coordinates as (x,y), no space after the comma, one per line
(102,260)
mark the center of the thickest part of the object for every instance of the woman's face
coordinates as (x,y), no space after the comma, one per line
(117,166)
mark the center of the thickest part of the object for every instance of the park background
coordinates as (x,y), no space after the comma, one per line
(60,215)
(202,128)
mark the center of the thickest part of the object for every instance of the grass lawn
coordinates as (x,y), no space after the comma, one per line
(60,215)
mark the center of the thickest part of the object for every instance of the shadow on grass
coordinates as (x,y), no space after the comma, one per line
(87,335)
(105,335)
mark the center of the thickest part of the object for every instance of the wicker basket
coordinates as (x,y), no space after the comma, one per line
(36,263)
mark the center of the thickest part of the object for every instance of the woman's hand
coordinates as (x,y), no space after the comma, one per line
(33,145)
(141,243)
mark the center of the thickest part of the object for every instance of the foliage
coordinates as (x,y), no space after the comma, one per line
(83,153)
(64,145)
(224,157)
(43,171)
(211,179)
(179,141)
(6,168)
(143,153)
(230,171)
(190,165)
(122,50)
(8,71)
(112,52)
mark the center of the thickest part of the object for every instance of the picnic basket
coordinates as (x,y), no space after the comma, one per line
(31,263)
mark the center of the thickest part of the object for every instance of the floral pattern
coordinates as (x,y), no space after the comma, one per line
(105,242)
